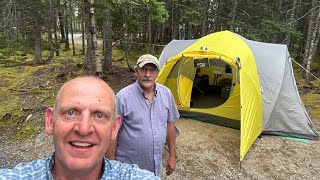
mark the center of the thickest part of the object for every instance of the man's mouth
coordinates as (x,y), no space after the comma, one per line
(146,80)
(81,144)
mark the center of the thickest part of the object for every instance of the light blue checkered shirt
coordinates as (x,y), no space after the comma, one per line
(41,169)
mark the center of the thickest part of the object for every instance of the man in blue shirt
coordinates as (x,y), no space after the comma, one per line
(82,122)
(147,111)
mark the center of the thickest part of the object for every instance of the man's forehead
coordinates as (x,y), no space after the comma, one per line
(86,90)
(149,65)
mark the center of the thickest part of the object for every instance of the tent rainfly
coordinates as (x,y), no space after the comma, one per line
(228,80)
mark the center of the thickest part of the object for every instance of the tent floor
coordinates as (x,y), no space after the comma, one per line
(206,97)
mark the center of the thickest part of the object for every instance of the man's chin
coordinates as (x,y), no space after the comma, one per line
(82,167)
(79,165)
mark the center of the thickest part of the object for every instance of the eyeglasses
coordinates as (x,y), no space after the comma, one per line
(151,70)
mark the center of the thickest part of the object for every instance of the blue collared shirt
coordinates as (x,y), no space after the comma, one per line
(41,169)
(143,130)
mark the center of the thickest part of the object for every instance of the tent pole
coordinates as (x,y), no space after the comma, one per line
(305,69)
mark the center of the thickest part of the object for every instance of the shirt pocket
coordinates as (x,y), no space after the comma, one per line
(163,118)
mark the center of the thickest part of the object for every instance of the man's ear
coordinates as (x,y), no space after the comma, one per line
(49,121)
(116,127)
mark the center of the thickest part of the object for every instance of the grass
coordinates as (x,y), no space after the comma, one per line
(12,87)
(312,103)
(28,130)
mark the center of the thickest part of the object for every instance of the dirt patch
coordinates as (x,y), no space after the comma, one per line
(207,151)
(120,77)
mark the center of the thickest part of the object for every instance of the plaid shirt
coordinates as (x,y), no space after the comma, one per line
(41,169)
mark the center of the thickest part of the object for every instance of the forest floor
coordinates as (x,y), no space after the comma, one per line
(205,151)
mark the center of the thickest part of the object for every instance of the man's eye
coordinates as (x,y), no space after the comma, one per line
(100,115)
(70,112)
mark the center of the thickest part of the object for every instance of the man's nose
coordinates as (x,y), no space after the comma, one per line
(148,72)
(84,125)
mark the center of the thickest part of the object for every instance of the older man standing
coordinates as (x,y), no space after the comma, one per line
(82,122)
(148,111)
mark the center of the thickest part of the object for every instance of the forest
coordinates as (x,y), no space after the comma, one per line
(33,26)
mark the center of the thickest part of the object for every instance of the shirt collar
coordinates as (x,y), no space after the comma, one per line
(49,166)
(50,163)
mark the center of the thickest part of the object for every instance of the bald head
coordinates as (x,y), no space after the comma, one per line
(87,85)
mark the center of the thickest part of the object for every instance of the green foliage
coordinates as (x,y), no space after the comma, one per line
(270,30)
(2,56)
(157,10)
(123,16)
(19,44)
(191,11)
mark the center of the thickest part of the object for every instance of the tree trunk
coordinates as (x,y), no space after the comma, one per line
(165,34)
(175,20)
(83,19)
(204,18)
(92,48)
(233,15)
(291,22)
(61,22)
(51,16)
(107,41)
(37,33)
(173,11)
(128,42)
(95,53)
(149,31)
(56,41)
(161,35)
(188,30)
(88,63)
(65,15)
(16,21)
(128,47)
(71,28)
(312,38)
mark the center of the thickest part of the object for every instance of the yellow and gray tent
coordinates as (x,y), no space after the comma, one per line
(262,96)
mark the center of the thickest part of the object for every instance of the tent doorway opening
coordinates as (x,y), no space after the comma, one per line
(212,83)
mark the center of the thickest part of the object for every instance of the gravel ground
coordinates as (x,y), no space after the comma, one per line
(205,151)
(14,151)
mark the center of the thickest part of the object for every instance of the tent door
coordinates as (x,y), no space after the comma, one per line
(185,81)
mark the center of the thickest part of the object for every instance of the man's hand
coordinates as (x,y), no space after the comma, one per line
(171,165)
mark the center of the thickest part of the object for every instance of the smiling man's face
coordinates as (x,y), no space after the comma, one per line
(82,124)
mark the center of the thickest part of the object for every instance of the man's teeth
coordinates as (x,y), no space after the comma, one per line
(81,144)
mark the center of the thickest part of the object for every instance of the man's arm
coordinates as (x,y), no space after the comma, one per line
(171,141)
